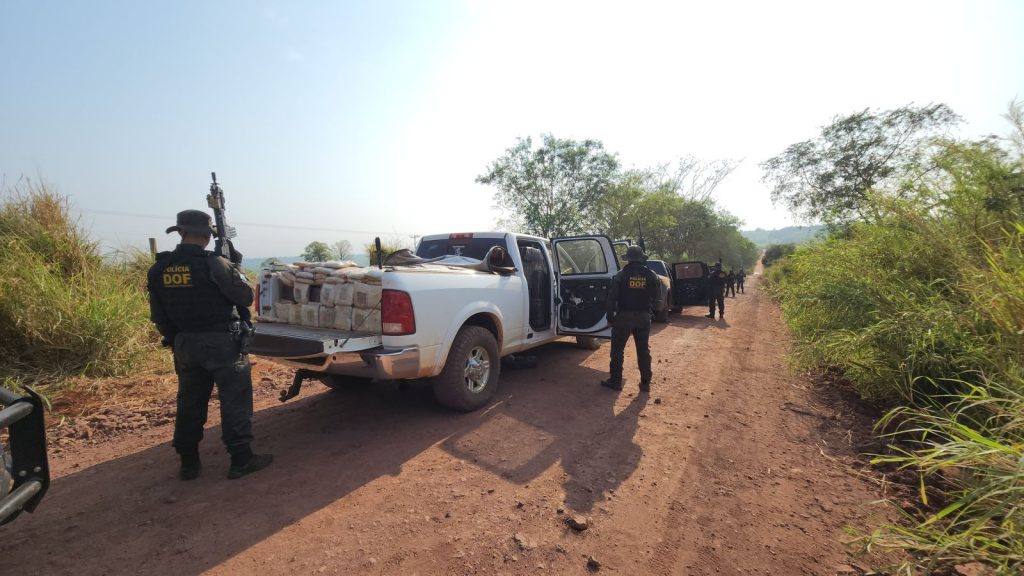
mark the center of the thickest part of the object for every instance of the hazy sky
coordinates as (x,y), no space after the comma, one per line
(341,120)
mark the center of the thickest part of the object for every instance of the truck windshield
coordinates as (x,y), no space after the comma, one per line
(657,266)
(468,247)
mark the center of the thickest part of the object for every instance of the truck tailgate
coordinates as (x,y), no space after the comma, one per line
(288,341)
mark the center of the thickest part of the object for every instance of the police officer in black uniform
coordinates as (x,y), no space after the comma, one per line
(716,291)
(193,300)
(634,292)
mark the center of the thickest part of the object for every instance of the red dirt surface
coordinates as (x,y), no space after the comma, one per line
(731,466)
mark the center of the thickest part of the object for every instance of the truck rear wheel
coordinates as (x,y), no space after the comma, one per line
(470,375)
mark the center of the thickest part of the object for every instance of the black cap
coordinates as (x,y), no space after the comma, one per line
(635,254)
(194,222)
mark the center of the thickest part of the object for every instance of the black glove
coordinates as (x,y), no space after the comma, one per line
(236,256)
(610,315)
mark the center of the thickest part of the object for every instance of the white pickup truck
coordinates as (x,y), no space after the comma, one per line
(454,323)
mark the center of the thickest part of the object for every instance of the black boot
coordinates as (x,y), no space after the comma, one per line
(613,384)
(246,463)
(190,466)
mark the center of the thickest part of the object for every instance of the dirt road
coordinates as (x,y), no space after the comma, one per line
(732,466)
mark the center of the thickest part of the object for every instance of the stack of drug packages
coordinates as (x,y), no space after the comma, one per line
(338,295)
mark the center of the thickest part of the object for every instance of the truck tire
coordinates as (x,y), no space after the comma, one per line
(588,342)
(661,316)
(470,375)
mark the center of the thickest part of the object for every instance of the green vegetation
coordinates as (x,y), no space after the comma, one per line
(551,190)
(786,235)
(567,187)
(387,246)
(921,307)
(776,252)
(317,251)
(64,310)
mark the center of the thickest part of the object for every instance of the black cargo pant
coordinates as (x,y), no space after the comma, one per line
(739,285)
(637,324)
(719,297)
(201,360)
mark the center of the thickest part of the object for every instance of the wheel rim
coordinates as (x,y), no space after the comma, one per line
(478,369)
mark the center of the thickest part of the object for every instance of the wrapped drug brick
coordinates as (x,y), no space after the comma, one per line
(343,317)
(311,315)
(295,314)
(327,296)
(283,311)
(343,294)
(300,292)
(366,296)
(327,315)
(365,320)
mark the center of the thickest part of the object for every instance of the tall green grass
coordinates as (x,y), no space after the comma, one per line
(923,310)
(64,309)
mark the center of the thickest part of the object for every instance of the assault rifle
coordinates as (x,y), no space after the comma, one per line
(215,200)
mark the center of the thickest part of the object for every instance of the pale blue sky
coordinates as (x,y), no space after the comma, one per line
(376,117)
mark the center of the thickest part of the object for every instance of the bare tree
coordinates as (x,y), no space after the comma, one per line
(693,178)
(342,250)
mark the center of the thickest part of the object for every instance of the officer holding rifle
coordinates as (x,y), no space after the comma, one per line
(195,298)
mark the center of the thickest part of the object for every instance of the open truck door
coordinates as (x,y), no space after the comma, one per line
(586,265)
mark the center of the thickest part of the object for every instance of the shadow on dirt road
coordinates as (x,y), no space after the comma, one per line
(132,515)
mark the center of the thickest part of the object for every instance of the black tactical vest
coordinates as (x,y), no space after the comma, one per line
(181,280)
(634,288)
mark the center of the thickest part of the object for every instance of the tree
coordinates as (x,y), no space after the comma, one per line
(693,178)
(342,250)
(552,190)
(829,177)
(317,251)
(776,252)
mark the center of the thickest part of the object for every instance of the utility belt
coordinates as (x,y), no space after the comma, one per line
(231,327)
(240,330)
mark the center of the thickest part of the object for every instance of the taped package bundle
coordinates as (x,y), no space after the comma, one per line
(343,317)
(327,295)
(365,320)
(366,296)
(343,294)
(327,316)
(300,292)
(295,314)
(283,311)
(311,315)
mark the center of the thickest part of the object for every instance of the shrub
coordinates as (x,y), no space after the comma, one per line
(923,309)
(64,310)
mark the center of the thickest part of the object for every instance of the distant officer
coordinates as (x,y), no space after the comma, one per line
(740,277)
(716,291)
(193,296)
(730,283)
(634,292)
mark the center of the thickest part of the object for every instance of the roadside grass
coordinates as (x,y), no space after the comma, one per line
(923,310)
(65,311)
